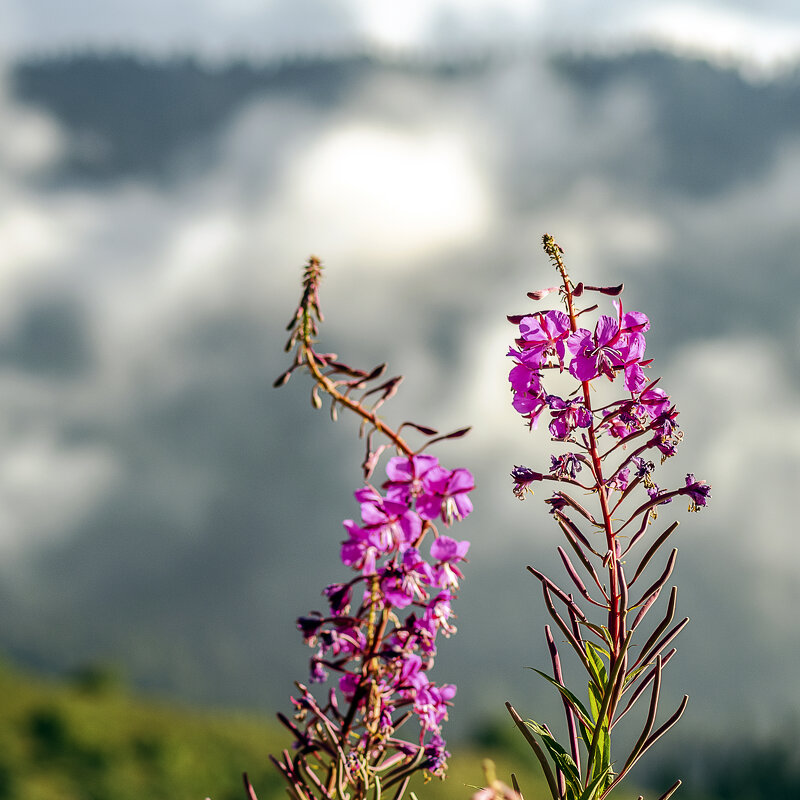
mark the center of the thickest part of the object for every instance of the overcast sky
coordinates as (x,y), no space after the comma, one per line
(158,500)
(764,32)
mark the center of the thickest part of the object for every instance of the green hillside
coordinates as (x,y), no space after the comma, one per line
(89,739)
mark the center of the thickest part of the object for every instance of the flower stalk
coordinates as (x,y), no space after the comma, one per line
(609,437)
(378,633)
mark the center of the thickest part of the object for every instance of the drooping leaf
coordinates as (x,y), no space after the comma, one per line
(559,755)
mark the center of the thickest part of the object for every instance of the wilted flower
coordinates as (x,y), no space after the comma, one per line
(523,478)
(698,491)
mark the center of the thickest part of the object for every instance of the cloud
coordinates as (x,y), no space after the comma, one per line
(181,496)
(765,38)
(388,193)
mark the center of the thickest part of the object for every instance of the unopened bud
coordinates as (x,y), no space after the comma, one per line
(376,373)
(282,380)
(540,293)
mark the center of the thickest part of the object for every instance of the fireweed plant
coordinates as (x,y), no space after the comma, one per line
(614,423)
(381,719)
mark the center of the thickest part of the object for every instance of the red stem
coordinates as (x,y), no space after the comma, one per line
(614,611)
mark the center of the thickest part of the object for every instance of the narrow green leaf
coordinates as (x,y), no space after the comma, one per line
(595,655)
(578,706)
(600,631)
(558,754)
(595,788)
(634,673)
(595,700)
(602,754)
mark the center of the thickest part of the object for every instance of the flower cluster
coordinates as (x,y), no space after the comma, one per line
(383,664)
(376,641)
(615,349)
(610,420)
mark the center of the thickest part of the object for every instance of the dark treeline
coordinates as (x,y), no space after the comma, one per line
(130,114)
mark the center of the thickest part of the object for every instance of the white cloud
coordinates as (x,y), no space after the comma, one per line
(47,487)
(379,191)
(369,190)
(760,38)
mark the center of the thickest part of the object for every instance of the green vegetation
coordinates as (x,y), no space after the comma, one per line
(90,740)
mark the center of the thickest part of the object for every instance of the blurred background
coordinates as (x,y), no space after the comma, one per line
(165,171)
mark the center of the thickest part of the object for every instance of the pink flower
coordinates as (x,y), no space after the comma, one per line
(447,553)
(445,494)
(544,335)
(406,476)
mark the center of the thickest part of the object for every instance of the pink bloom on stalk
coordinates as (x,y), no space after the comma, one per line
(348,684)
(567,415)
(345,641)
(525,379)
(620,424)
(654,402)
(402,584)
(430,705)
(338,595)
(526,384)
(615,344)
(529,397)
(634,377)
(447,552)
(566,465)
(436,754)
(406,476)
(438,613)
(667,436)
(632,347)
(543,335)
(436,617)
(445,494)
(309,626)
(358,551)
(393,524)
(644,469)
(411,672)
(318,673)
(556,503)
(389,526)
(595,354)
